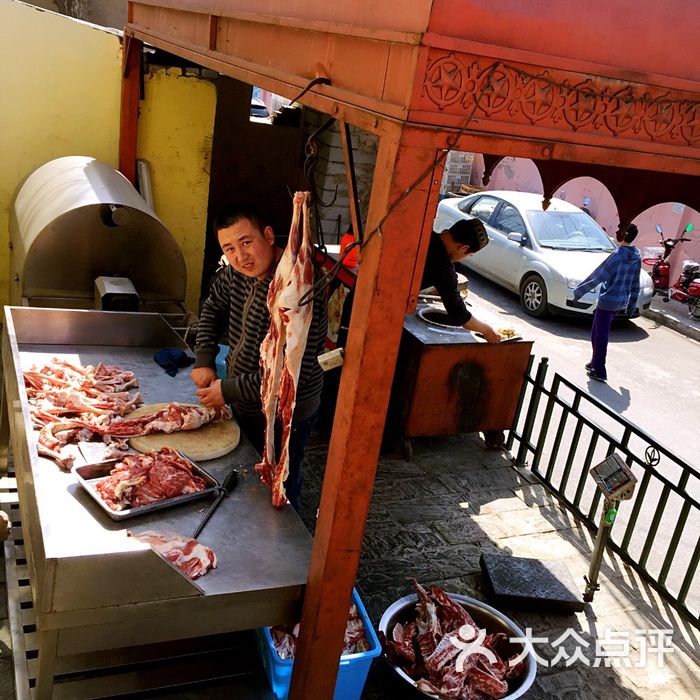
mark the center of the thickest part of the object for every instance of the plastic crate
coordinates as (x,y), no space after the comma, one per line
(352,672)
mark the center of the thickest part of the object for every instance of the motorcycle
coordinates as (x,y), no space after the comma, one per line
(687,288)
(660,266)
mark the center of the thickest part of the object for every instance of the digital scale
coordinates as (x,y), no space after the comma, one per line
(615,480)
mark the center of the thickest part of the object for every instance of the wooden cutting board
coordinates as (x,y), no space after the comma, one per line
(208,442)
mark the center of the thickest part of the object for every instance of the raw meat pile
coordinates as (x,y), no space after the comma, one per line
(191,557)
(285,638)
(282,350)
(424,647)
(69,403)
(145,478)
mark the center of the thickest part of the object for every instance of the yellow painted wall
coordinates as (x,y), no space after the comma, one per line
(60,86)
(176,125)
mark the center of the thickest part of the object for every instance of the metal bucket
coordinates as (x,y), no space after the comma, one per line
(485,616)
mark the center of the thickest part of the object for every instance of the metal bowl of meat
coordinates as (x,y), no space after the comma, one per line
(438,642)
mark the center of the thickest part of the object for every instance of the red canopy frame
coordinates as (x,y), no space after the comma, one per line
(600,90)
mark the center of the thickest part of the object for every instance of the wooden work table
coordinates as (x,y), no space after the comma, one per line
(448,381)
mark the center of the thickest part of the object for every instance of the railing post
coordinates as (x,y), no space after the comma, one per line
(519,407)
(537,387)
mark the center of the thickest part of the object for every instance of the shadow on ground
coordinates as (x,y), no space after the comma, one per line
(433,516)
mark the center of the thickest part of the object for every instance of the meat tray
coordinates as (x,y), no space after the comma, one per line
(88,475)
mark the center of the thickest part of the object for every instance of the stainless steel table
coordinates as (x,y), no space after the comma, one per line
(93,587)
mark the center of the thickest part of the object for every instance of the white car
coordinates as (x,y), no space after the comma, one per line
(542,255)
(259,111)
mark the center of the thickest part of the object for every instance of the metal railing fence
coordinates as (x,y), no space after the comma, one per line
(561,431)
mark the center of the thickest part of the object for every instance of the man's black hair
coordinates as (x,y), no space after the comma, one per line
(470,232)
(631,233)
(233,213)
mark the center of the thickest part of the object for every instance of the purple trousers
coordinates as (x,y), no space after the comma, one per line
(600,333)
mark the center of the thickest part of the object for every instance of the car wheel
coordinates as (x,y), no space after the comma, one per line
(533,296)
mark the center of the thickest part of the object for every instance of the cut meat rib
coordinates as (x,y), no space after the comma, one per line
(169,419)
(282,350)
(191,557)
(68,402)
(468,667)
(56,431)
(285,637)
(146,478)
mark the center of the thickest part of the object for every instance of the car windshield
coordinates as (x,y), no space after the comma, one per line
(568,230)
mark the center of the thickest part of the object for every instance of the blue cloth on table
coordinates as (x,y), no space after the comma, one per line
(171,359)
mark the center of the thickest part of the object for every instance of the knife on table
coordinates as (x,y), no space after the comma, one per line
(227,486)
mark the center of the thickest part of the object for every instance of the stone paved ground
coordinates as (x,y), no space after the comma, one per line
(432,516)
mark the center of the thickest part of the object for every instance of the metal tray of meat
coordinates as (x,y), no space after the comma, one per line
(89,475)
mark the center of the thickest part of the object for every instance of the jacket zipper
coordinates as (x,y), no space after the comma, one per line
(239,345)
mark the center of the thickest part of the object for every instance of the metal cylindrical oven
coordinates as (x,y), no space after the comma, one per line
(79,230)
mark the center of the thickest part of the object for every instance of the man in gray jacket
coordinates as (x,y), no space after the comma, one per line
(236,309)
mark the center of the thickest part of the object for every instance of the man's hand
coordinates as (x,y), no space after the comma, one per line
(203,376)
(476,326)
(211,396)
(491,335)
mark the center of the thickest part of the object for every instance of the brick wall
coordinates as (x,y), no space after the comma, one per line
(330,173)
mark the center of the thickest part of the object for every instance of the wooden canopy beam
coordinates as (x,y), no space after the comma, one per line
(490,164)
(349,161)
(649,189)
(129,116)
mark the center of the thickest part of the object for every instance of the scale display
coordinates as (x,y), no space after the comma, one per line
(614,478)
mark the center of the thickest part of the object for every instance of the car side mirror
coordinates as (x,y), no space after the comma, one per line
(517,237)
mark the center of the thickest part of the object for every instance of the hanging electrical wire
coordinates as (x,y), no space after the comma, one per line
(321,80)
(310,162)
(585,92)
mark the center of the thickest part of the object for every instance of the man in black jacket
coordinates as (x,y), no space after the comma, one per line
(236,309)
(463,238)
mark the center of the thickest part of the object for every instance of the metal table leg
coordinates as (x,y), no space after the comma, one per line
(48,644)
(4,433)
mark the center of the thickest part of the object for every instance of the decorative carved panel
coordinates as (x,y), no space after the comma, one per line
(528,96)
